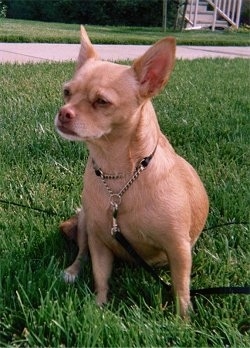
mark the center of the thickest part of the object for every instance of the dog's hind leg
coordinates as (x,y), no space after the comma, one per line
(69,228)
(71,273)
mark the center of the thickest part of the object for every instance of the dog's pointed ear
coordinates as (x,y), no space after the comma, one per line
(87,50)
(153,69)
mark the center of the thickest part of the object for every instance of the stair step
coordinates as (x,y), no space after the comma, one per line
(201,9)
(218,24)
(205,17)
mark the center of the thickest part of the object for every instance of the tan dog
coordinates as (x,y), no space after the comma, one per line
(163,210)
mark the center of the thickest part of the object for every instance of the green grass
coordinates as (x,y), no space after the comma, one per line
(32,31)
(205,113)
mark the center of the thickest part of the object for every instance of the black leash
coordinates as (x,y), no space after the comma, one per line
(193,292)
(141,262)
(20,205)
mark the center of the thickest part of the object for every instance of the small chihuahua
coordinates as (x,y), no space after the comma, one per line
(134,181)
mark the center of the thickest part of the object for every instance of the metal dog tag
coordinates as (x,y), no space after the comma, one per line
(115,228)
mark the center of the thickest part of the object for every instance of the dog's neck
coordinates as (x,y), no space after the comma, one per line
(120,151)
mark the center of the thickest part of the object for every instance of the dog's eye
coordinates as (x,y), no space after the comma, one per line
(66,92)
(101,102)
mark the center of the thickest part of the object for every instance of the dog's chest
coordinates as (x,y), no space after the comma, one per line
(138,230)
(135,218)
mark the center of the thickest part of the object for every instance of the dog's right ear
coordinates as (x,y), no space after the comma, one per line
(87,50)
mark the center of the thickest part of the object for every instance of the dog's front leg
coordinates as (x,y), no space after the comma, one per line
(72,272)
(180,260)
(102,261)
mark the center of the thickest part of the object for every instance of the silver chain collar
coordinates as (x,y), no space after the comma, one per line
(116,198)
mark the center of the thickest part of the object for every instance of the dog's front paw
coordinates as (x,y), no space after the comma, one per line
(184,307)
(102,297)
(69,276)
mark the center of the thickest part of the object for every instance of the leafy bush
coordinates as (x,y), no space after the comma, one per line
(103,12)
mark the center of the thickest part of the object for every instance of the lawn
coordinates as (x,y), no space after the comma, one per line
(205,113)
(31,31)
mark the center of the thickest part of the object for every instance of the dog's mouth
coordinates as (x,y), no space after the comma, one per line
(65,130)
(62,129)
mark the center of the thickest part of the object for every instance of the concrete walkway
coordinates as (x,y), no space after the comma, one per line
(35,52)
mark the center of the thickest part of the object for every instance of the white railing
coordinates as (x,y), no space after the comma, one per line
(227,9)
(197,15)
(192,12)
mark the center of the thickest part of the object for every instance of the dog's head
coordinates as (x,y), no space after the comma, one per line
(104,98)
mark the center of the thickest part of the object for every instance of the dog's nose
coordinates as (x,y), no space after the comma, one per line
(66,114)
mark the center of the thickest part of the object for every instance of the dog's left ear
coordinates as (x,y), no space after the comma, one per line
(87,50)
(153,69)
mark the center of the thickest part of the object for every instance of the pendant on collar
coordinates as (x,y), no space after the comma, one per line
(115,228)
